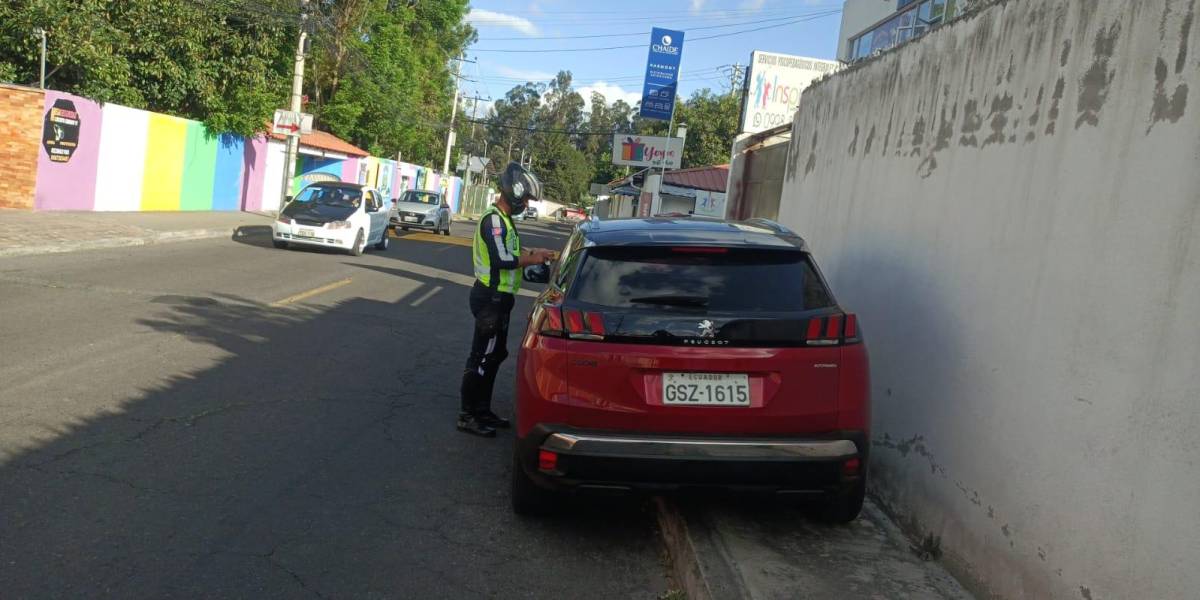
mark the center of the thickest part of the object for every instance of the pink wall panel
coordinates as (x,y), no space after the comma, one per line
(68,184)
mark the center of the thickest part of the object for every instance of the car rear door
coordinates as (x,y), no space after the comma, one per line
(701,341)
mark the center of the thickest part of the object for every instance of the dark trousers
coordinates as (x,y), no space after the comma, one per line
(488,347)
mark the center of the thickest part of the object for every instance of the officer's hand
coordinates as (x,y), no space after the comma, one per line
(542,255)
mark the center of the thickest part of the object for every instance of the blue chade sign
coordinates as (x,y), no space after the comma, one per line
(662,74)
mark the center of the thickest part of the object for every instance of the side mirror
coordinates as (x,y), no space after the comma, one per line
(288,199)
(537,274)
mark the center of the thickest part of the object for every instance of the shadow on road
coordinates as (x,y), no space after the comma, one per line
(317,457)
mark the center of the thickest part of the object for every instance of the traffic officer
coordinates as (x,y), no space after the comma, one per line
(498,260)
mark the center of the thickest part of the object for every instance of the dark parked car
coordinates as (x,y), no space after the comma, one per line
(686,352)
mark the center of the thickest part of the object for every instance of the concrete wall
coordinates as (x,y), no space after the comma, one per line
(857,15)
(756,171)
(134,160)
(20,144)
(1012,205)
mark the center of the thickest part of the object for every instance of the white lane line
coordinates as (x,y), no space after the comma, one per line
(426,296)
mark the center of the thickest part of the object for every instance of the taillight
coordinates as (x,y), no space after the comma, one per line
(552,321)
(833,330)
(570,322)
(574,321)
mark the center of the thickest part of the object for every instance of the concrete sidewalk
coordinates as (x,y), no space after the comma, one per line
(722,549)
(24,232)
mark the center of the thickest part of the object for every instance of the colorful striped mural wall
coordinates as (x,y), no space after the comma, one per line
(127,159)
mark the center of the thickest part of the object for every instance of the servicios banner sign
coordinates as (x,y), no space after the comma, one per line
(662,74)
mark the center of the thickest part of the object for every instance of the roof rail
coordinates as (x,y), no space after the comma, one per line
(772,225)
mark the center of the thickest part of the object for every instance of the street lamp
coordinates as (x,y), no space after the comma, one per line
(38,31)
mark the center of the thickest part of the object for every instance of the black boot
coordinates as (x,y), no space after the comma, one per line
(493,420)
(469,424)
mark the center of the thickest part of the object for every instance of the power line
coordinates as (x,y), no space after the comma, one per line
(538,130)
(707,37)
(638,33)
(606,79)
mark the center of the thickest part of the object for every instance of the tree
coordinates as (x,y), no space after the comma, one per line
(571,148)
(210,60)
(382,77)
(712,123)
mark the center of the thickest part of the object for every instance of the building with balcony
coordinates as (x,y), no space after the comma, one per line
(872,26)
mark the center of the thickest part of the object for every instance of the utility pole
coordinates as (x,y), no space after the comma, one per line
(293,141)
(453,112)
(474,109)
(38,31)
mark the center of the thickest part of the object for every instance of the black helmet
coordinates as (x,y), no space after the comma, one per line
(518,186)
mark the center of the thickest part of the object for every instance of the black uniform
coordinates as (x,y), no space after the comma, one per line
(491,308)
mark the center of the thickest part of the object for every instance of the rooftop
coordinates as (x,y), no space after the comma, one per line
(323,140)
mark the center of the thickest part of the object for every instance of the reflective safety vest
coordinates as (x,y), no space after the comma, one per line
(507,280)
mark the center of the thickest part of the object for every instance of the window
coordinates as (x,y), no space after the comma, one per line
(564,271)
(885,35)
(733,281)
(862,47)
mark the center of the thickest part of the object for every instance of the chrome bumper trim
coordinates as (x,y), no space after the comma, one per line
(699,448)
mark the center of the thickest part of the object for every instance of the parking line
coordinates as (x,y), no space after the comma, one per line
(431,237)
(426,296)
(310,293)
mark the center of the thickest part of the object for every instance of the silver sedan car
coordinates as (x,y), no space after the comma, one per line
(419,209)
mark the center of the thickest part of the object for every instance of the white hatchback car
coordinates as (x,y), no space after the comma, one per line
(347,216)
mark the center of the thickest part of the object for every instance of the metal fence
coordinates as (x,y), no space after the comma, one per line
(474,200)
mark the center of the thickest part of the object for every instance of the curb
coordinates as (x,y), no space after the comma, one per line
(162,237)
(697,559)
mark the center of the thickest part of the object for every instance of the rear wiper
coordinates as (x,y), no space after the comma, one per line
(673,300)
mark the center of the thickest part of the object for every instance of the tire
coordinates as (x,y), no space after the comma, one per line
(446,231)
(404,228)
(528,499)
(843,507)
(359,242)
(282,245)
(382,244)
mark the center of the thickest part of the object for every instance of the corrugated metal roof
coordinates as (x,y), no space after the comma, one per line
(712,178)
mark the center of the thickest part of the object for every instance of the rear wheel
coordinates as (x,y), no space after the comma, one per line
(360,241)
(382,244)
(282,245)
(404,228)
(527,498)
(843,507)
(446,231)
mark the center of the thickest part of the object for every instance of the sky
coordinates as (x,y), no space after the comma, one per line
(549,32)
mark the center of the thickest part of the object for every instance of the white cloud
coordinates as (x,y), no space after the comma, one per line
(611,93)
(478,16)
(525,74)
(698,5)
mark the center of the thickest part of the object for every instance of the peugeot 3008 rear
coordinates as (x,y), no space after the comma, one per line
(678,353)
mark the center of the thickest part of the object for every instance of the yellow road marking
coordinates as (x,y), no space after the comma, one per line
(432,237)
(313,292)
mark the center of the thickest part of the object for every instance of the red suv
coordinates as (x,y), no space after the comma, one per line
(672,353)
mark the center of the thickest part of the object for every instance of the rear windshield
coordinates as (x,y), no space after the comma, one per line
(716,280)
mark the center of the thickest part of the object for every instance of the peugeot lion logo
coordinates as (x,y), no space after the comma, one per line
(706,329)
(666,40)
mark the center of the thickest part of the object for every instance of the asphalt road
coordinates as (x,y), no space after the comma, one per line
(223,419)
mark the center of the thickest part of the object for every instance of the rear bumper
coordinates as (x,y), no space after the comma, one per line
(610,460)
